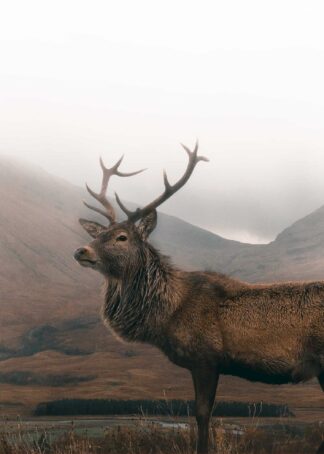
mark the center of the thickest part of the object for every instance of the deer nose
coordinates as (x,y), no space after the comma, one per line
(79,253)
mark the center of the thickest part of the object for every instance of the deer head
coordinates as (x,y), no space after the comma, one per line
(120,246)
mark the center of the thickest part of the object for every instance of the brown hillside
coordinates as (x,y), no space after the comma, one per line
(296,254)
(49,306)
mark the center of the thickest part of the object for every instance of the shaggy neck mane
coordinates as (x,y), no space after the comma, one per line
(138,305)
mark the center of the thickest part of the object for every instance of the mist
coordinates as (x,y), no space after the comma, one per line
(81,80)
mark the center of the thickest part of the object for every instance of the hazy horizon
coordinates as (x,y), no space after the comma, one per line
(79,80)
(234,234)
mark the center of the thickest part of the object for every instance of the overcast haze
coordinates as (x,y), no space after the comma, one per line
(82,79)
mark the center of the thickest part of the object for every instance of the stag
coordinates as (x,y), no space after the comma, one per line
(205,322)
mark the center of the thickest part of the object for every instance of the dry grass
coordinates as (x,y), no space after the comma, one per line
(150,438)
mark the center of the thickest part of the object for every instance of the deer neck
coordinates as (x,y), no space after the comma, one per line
(139,306)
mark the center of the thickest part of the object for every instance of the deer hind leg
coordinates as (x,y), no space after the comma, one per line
(205,383)
(321,380)
(320,449)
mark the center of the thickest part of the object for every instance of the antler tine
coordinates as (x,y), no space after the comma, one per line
(194,153)
(122,206)
(101,196)
(114,169)
(169,189)
(98,210)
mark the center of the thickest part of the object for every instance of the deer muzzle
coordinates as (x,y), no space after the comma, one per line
(86,256)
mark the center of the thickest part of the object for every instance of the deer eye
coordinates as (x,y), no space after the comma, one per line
(121,238)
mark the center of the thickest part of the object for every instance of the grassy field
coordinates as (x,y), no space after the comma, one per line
(158,436)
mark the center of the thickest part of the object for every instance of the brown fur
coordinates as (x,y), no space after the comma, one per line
(207,322)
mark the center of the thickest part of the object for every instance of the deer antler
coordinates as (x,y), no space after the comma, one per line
(169,189)
(101,196)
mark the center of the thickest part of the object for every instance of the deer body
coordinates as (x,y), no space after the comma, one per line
(247,332)
(272,334)
(205,322)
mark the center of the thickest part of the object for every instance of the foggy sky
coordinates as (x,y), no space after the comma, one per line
(80,79)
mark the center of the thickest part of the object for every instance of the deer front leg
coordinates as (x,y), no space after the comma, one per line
(205,381)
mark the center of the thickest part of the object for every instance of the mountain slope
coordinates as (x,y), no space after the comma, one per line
(39,230)
(296,254)
(49,306)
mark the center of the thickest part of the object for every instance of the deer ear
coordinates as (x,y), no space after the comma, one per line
(93,228)
(147,224)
